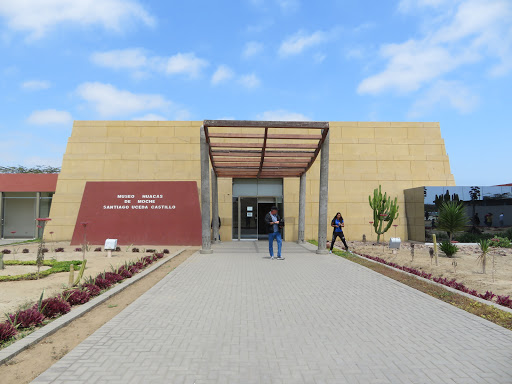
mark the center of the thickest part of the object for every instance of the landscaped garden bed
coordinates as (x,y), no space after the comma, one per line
(384,258)
(20,293)
(464,267)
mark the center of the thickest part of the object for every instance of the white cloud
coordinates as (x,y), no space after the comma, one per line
(288,5)
(252,48)
(411,65)
(297,43)
(139,61)
(35,85)
(222,74)
(133,58)
(408,5)
(249,81)
(319,57)
(282,115)
(49,116)
(37,17)
(445,93)
(108,101)
(477,30)
(185,63)
(150,117)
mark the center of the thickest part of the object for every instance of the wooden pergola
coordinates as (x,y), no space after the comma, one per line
(262,149)
(261,152)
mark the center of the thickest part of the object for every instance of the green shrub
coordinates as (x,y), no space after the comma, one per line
(508,234)
(55,267)
(448,248)
(500,242)
(452,217)
(467,237)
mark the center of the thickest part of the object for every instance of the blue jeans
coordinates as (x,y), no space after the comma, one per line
(271,237)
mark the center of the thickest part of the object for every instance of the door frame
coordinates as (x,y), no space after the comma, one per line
(275,198)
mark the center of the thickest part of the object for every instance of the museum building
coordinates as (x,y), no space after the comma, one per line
(250,166)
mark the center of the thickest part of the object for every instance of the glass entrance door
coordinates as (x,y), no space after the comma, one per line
(248,218)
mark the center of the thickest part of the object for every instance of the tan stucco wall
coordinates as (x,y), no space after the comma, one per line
(362,155)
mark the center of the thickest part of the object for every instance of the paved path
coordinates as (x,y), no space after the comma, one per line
(238,317)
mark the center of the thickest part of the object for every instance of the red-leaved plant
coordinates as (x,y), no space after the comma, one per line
(504,300)
(77,296)
(113,277)
(92,289)
(27,318)
(55,306)
(125,273)
(7,331)
(102,283)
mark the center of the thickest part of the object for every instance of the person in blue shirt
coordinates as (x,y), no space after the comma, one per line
(337,223)
(274,226)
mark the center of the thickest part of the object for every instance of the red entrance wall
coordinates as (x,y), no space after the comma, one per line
(146,212)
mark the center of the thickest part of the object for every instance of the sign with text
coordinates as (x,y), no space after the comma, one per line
(139,212)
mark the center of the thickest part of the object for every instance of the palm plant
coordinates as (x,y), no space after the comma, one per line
(484,247)
(448,248)
(452,217)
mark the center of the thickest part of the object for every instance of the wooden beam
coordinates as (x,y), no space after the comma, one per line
(235,145)
(284,136)
(263,151)
(260,145)
(266,124)
(240,153)
(313,158)
(292,146)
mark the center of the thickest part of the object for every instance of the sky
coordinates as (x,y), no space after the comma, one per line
(448,61)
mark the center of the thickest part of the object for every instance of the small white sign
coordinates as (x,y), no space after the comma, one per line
(110,244)
(249,209)
(249,214)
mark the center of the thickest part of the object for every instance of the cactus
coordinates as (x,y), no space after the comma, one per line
(2,261)
(384,211)
(80,273)
(71,275)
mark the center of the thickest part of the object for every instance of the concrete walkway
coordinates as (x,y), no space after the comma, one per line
(238,317)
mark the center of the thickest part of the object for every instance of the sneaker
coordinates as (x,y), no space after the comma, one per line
(330,251)
(271,257)
(280,258)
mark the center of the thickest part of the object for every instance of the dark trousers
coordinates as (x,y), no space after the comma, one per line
(342,238)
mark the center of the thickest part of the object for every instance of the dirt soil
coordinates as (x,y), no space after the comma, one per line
(32,362)
(467,271)
(14,294)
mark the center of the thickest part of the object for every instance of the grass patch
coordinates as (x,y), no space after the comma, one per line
(55,267)
(24,242)
(488,312)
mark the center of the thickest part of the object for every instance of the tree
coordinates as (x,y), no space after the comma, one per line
(452,217)
(384,211)
(440,199)
(36,169)
(474,194)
